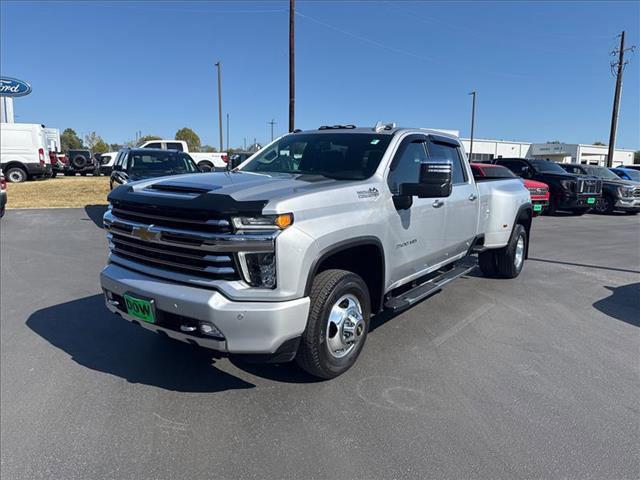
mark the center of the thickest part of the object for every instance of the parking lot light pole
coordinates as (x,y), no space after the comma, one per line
(473,123)
(292,75)
(219,66)
(227,131)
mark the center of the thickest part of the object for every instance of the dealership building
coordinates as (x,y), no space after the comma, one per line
(484,150)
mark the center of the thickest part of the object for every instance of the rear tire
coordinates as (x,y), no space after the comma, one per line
(510,259)
(488,264)
(337,326)
(16,175)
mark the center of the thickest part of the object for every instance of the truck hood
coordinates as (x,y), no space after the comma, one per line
(220,192)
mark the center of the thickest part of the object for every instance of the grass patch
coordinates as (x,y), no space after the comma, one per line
(58,192)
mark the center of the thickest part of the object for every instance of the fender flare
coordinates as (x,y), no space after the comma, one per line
(339,247)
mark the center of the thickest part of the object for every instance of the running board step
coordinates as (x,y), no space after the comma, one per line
(431,286)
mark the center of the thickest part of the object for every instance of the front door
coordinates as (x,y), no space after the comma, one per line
(416,233)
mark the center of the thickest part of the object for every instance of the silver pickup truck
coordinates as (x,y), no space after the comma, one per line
(289,255)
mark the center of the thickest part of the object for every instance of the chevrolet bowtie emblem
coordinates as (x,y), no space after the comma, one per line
(145,233)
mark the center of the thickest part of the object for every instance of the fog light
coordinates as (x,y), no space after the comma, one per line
(210,330)
(260,269)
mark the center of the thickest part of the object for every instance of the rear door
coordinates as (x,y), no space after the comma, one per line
(461,207)
(417,233)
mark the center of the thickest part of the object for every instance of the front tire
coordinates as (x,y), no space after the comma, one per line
(337,326)
(604,205)
(206,167)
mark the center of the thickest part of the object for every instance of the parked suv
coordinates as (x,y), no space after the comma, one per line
(290,254)
(574,193)
(132,164)
(80,161)
(617,194)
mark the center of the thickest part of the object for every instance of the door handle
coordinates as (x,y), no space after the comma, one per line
(472,197)
(438,204)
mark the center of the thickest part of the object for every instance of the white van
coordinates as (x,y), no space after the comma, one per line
(24,152)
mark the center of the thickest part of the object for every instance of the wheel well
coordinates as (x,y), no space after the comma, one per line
(13,164)
(208,162)
(365,260)
(524,218)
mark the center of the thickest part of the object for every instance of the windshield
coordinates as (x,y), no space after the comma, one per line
(156,164)
(600,172)
(632,174)
(343,156)
(546,166)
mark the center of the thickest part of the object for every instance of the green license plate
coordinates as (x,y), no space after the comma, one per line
(591,200)
(537,208)
(139,308)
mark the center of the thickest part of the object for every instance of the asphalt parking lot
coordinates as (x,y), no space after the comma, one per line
(536,377)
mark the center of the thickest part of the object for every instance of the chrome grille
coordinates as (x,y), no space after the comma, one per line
(186,242)
(590,186)
(538,191)
(636,192)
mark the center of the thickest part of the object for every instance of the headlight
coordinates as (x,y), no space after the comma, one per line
(568,185)
(259,269)
(625,192)
(267,222)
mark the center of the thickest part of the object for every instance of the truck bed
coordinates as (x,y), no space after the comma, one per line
(497,197)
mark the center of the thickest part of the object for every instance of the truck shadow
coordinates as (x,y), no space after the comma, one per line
(95,213)
(98,340)
(623,304)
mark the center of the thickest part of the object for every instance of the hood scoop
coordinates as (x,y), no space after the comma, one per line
(182,187)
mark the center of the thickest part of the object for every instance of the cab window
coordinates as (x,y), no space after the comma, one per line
(154,145)
(405,167)
(174,146)
(445,152)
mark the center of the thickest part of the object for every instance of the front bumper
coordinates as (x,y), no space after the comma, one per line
(248,327)
(579,202)
(628,204)
(539,205)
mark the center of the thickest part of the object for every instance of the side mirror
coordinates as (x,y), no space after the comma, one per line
(434,181)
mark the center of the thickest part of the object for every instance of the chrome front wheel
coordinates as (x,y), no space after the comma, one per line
(345,326)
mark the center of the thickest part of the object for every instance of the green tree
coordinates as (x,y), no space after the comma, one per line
(148,138)
(208,148)
(554,141)
(100,147)
(114,147)
(189,136)
(69,140)
(94,142)
(598,143)
(636,156)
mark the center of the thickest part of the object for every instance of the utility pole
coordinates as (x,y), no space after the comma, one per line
(272,123)
(219,65)
(227,131)
(618,68)
(244,142)
(292,73)
(473,123)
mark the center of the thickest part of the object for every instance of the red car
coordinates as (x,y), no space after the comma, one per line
(539,191)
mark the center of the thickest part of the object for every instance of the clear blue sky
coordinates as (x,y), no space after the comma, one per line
(541,69)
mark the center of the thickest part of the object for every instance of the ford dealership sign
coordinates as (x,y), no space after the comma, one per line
(12,87)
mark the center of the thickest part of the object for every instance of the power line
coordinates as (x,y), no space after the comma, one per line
(407,53)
